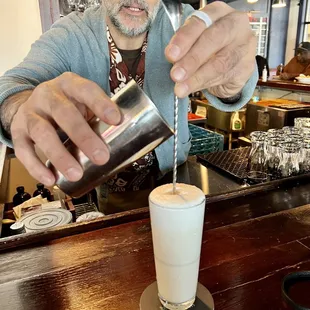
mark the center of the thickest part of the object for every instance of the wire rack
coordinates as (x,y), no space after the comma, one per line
(231,162)
(205,141)
(83,208)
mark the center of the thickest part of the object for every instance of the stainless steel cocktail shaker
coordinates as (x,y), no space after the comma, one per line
(141,131)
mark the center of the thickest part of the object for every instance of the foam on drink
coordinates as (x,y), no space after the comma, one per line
(177,224)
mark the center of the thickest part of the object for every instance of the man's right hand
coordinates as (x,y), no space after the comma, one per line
(67,102)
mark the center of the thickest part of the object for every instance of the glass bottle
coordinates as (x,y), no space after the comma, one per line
(44,192)
(289,158)
(21,196)
(265,74)
(281,68)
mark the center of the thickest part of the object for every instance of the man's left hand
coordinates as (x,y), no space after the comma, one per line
(220,59)
(287,76)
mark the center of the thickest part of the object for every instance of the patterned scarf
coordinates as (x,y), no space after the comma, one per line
(119,74)
(135,177)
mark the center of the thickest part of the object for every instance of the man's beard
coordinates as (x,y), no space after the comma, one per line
(114,10)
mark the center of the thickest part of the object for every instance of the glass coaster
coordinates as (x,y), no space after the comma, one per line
(150,301)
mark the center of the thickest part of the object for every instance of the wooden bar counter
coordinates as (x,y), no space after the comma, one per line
(285,85)
(250,242)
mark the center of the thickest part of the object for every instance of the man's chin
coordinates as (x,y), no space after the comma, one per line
(132,27)
(133,21)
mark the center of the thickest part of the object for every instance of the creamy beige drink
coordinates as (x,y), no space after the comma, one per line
(177,224)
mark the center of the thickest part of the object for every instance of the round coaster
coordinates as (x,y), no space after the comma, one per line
(150,301)
(46,219)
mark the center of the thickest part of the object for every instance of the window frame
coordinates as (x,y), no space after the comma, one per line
(302,22)
(50,13)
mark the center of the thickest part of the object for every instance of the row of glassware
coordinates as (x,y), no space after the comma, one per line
(281,152)
(82,5)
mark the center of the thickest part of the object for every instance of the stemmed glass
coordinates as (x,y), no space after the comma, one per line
(73,4)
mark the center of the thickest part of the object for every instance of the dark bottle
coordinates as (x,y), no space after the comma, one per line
(21,196)
(44,192)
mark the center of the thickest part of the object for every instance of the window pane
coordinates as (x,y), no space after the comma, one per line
(307,33)
(308,11)
(259,26)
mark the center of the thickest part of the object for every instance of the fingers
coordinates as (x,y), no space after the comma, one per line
(66,101)
(233,63)
(24,151)
(68,117)
(71,116)
(235,81)
(213,40)
(90,94)
(187,35)
(45,137)
(206,58)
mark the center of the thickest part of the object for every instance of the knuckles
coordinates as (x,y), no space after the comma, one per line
(59,157)
(228,59)
(219,32)
(241,20)
(38,130)
(43,89)
(193,58)
(219,5)
(221,64)
(198,81)
(66,76)
(65,80)
(86,87)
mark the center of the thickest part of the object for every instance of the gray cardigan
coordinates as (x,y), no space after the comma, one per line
(78,43)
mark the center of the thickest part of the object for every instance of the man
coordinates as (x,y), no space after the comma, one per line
(71,72)
(300,64)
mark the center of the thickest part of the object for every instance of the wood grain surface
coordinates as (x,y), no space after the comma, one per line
(249,244)
(289,85)
(1,216)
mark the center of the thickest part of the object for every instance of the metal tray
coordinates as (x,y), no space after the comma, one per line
(232,162)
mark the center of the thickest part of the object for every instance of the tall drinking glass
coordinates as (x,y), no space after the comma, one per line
(275,133)
(293,137)
(273,154)
(300,122)
(290,157)
(305,156)
(177,225)
(292,130)
(305,129)
(257,159)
